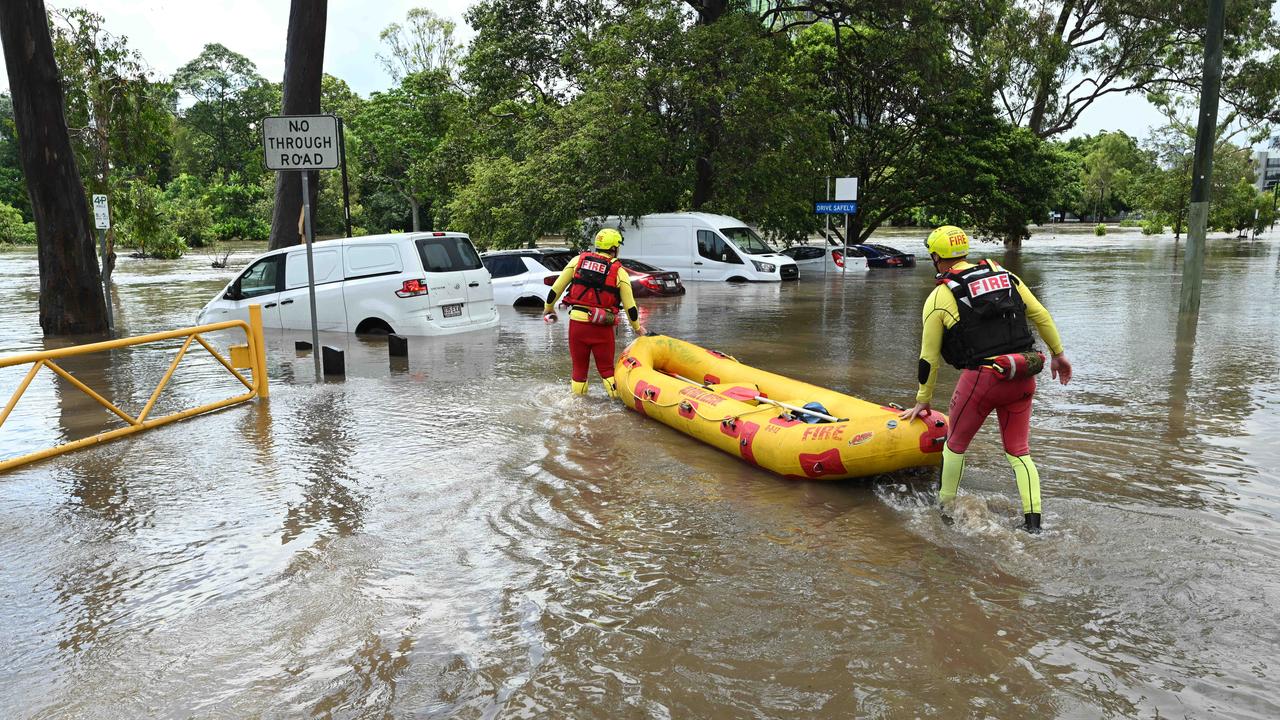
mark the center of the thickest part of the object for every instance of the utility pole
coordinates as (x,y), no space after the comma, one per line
(1275,192)
(1202,168)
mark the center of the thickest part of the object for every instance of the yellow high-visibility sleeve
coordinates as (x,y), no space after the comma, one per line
(562,282)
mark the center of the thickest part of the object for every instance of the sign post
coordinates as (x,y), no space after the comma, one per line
(102,221)
(826,237)
(847,191)
(302,143)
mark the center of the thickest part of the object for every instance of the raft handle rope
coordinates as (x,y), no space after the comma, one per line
(760,398)
(648,398)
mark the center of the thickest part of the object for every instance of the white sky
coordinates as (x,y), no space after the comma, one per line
(169,33)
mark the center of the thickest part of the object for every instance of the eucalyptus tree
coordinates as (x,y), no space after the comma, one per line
(1052,60)
(218,133)
(425,42)
(118,114)
(71,298)
(400,138)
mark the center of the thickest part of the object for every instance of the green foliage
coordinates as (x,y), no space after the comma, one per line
(424,44)
(1153,226)
(14,230)
(119,118)
(1264,202)
(220,210)
(1111,164)
(915,123)
(218,133)
(184,206)
(240,228)
(400,137)
(13,186)
(579,108)
(1013,180)
(1052,61)
(1164,190)
(1234,211)
(147,227)
(1100,229)
(501,208)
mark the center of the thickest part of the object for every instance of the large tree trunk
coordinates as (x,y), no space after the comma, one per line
(707,131)
(303,68)
(71,300)
(1045,75)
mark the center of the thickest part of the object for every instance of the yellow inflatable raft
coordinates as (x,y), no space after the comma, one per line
(724,403)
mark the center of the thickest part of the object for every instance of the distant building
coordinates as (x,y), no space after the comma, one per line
(1267,166)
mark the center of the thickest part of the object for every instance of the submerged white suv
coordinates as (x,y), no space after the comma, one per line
(521,277)
(429,283)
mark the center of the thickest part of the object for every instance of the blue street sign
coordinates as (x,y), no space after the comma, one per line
(835,208)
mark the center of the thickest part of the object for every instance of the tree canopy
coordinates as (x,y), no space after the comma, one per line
(562,110)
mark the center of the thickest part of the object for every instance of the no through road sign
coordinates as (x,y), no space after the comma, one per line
(301,142)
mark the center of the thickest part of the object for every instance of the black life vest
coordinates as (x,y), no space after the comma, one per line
(993,318)
(595,282)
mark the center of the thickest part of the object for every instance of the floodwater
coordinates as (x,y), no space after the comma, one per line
(459,537)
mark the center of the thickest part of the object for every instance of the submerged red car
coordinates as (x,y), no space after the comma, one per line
(647,280)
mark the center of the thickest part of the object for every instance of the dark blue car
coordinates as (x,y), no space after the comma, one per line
(883,256)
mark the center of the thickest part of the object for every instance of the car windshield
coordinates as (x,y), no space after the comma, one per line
(884,249)
(638,266)
(747,240)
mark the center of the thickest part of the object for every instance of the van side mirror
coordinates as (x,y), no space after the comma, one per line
(233,292)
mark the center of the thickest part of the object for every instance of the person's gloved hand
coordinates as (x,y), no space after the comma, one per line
(550,317)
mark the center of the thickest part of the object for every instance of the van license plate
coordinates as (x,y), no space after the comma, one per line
(454,310)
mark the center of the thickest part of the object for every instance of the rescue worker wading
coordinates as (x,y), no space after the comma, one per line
(976,319)
(598,286)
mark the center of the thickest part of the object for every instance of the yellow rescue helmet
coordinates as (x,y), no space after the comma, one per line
(948,242)
(608,239)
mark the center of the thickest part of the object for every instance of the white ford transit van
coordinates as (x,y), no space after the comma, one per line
(412,284)
(701,246)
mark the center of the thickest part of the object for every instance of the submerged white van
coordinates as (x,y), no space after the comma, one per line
(701,246)
(429,283)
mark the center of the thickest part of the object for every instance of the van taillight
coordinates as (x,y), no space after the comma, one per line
(838,257)
(550,280)
(412,288)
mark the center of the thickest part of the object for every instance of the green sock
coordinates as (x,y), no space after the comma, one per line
(952,471)
(1024,470)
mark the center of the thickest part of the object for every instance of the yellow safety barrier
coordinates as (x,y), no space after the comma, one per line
(257,362)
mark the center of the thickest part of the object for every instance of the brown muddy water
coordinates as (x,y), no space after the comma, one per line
(462,538)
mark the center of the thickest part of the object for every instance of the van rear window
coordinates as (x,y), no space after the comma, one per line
(448,254)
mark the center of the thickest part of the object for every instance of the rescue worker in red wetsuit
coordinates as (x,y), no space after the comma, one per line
(976,320)
(598,286)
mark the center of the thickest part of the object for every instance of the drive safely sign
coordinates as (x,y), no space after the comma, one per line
(301,142)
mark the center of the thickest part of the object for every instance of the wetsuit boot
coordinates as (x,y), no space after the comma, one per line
(1031,523)
(952,472)
(1024,471)
(610,387)
(579,388)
